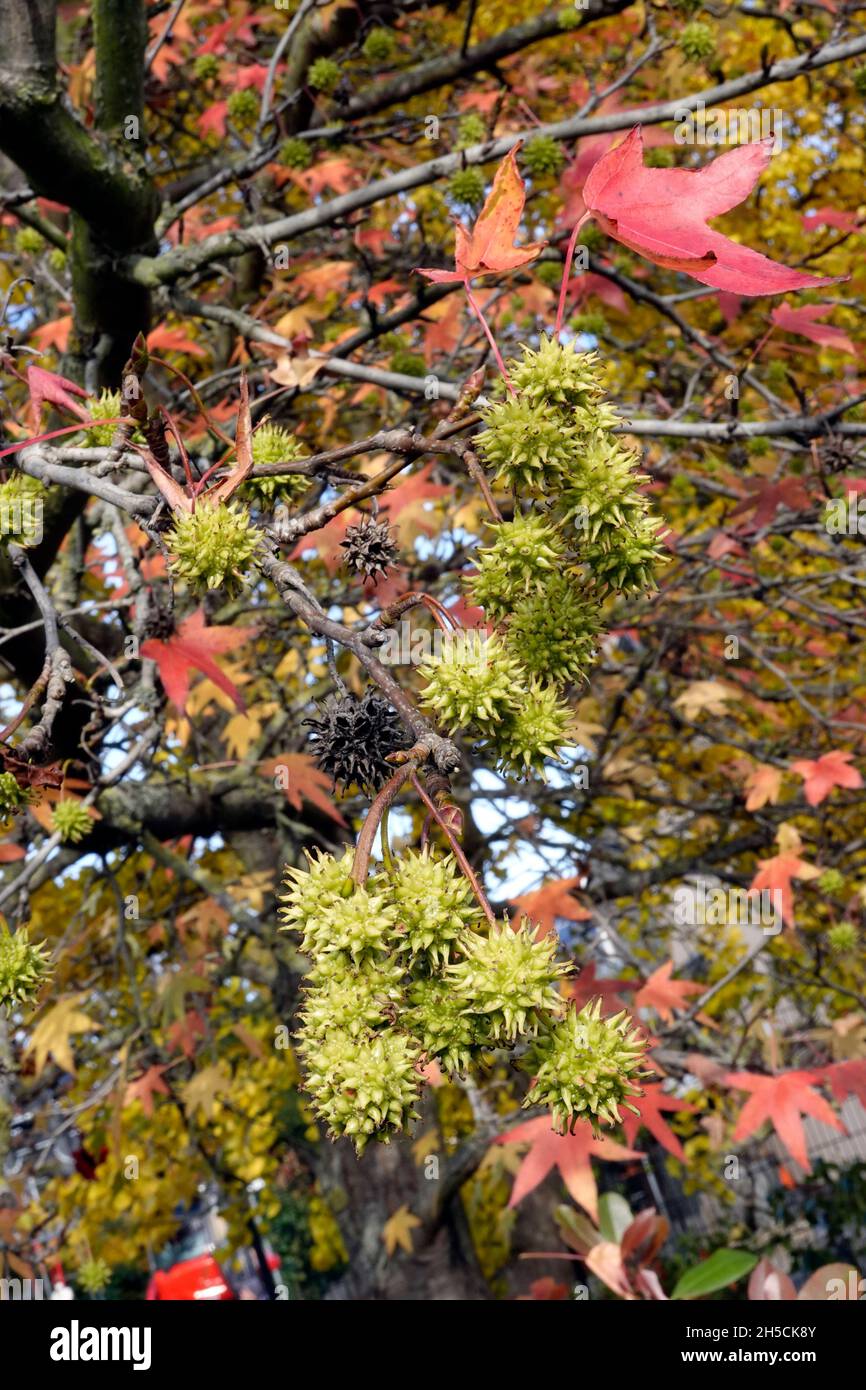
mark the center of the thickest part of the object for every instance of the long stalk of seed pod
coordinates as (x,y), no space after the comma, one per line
(566,271)
(364,847)
(479,314)
(456,850)
(387,857)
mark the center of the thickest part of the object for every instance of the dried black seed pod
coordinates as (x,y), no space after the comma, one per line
(370,547)
(352,739)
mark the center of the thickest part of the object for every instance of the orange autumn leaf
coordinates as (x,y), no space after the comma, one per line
(782,1100)
(489,248)
(663,994)
(821,775)
(554,900)
(570,1154)
(298,776)
(762,785)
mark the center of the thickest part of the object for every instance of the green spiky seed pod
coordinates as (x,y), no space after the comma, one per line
(71,820)
(22,501)
(205,67)
(24,968)
(591,323)
(93,1276)
(524,554)
(467,186)
(626,561)
(29,242)
(378,45)
(553,631)
(529,446)
(315,888)
(408,363)
(273,444)
(509,978)
(843,937)
(697,42)
(434,905)
(542,155)
(109,406)
(324,74)
(831,882)
(471,130)
(860,81)
(558,374)
(549,273)
(439,1020)
(473,680)
(243,107)
(603,490)
(295,153)
(351,999)
(570,18)
(360,927)
(12,795)
(537,732)
(586,1067)
(57,259)
(364,1087)
(212,546)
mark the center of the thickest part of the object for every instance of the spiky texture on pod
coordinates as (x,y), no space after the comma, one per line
(12,795)
(22,499)
(360,926)
(378,45)
(93,1276)
(471,130)
(352,740)
(553,632)
(524,554)
(323,75)
(295,153)
(467,186)
(542,155)
(243,106)
(273,444)
(434,904)
(408,363)
(109,405)
(29,241)
(316,888)
(24,968)
(509,978)
(528,446)
(536,732)
(842,937)
(559,374)
(586,1067)
(697,42)
(831,882)
(71,819)
(445,1029)
(627,559)
(212,546)
(371,547)
(603,490)
(473,680)
(205,67)
(364,1087)
(354,999)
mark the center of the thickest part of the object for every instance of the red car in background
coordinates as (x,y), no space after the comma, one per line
(188,1267)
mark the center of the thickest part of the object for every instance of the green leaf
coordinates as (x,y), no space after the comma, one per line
(724,1267)
(614,1216)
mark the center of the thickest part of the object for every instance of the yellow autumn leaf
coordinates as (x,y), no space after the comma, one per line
(53,1031)
(201,1091)
(398,1229)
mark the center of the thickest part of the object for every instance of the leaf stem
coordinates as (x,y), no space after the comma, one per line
(566,272)
(477,310)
